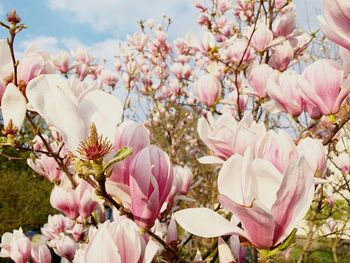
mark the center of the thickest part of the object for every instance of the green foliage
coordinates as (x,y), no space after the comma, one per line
(24,197)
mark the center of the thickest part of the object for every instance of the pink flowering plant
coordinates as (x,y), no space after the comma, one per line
(224,146)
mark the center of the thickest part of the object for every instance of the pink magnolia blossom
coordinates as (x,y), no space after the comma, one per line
(75,203)
(151,177)
(61,61)
(285,24)
(258,77)
(336,21)
(185,175)
(237,51)
(138,40)
(262,38)
(119,242)
(108,78)
(315,154)
(226,136)
(56,225)
(284,89)
(64,246)
(41,254)
(129,134)
(324,86)
(207,89)
(281,56)
(34,63)
(15,246)
(277,148)
(267,203)
(47,167)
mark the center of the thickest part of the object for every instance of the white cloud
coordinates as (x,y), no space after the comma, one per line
(120,16)
(47,43)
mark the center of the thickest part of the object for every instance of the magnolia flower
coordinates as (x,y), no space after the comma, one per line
(315,154)
(323,85)
(61,61)
(277,148)
(41,254)
(15,246)
(285,24)
(343,162)
(133,135)
(258,77)
(151,177)
(64,246)
(119,242)
(56,225)
(281,56)
(47,167)
(75,203)
(226,136)
(336,21)
(284,89)
(53,99)
(207,89)
(268,204)
(262,38)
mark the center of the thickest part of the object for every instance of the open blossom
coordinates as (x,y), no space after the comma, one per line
(108,77)
(47,167)
(237,51)
(258,77)
(336,21)
(138,40)
(226,136)
(151,177)
(207,89)
(284,89)
(268,204)
(119,241)
(324,86)
(34,63)
(61,61)
(15,246)
(64,246)
(56,225)
(281,56)
(52,97)
(75,203)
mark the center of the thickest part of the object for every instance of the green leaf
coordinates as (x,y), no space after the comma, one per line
(121,155)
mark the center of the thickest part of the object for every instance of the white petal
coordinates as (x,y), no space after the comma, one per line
(13,105)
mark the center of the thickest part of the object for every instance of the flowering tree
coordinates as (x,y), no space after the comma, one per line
(237,135)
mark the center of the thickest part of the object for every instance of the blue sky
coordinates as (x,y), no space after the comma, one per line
(98,24)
